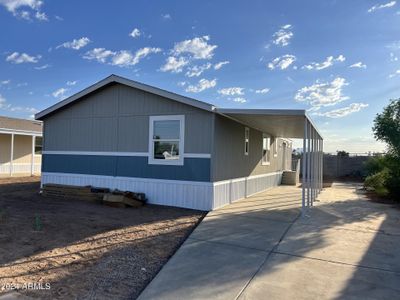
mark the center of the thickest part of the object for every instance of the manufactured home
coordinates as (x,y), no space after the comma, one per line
(20,147)
(182,152)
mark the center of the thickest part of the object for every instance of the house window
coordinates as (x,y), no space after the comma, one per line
(166,140)
(276,142)
(266,146)
(38,145)
(246,140)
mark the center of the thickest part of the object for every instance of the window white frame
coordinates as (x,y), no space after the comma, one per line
(276,143)
(151,159)
(246,140)
(266,146)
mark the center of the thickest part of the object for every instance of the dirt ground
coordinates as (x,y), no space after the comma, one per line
(84,250)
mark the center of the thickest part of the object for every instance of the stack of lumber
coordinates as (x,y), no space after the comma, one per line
(123,199)
(115,198)
(69,191)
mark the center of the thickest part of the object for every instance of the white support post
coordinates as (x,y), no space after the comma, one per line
(318,164)
(303,175)
(315,165)
(322,163)
(312,166)
(33,156)
(12,154)
(308,164)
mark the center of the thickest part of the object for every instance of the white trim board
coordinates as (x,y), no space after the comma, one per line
(111,153)
(19,132)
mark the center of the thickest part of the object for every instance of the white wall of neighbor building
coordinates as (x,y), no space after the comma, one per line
(22,156)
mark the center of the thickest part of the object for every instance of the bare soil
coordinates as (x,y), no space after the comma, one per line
(84,250)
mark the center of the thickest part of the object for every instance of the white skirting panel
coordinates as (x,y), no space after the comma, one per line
(20,168)
(188,194)
(228,191)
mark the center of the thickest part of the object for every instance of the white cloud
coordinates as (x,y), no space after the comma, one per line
(2,101)
(43,67)
(25,109)
(122,58)
(328,62)
(174,65)
(342,112)
(4,82)
(9,107)
(75,44)
(135,33)
(240,100)
(394,46)
(359,65)
(19,58)
(322,94)
(60,93)
(283,35)
(381,6)
(166,16)
(198,48)
(18,8)
(262,91)
(71,83)
(182,83)
(282,62)
(202,85)
(41,16)
(396,73)
(196,71)
(219,65)
(99,54)
(231,91)
(393,57)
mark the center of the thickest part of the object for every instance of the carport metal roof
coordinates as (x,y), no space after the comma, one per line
(286,123)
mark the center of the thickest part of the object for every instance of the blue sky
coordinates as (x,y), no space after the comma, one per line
(338,59)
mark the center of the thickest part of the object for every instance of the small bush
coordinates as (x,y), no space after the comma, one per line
(378,182)
(375,164)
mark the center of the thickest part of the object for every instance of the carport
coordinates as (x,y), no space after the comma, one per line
(291,124)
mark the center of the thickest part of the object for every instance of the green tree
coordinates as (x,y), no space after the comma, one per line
(385,171)
(387,127)
(343,153)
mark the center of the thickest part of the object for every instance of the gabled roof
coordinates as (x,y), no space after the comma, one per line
(118,79)
(14,125)
(284,123)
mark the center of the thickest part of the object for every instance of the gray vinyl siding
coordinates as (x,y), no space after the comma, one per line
(229,161)
(116,119)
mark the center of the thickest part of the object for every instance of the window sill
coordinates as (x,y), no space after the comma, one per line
(166,162)
(266,164)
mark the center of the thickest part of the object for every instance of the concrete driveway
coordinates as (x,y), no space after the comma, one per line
(261,248)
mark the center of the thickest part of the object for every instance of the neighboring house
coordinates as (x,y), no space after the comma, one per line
(122,134)
(20,146)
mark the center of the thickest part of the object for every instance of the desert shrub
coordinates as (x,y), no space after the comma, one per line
(375,164)
(377,182)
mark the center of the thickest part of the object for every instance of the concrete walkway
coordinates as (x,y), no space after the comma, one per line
(260,248)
